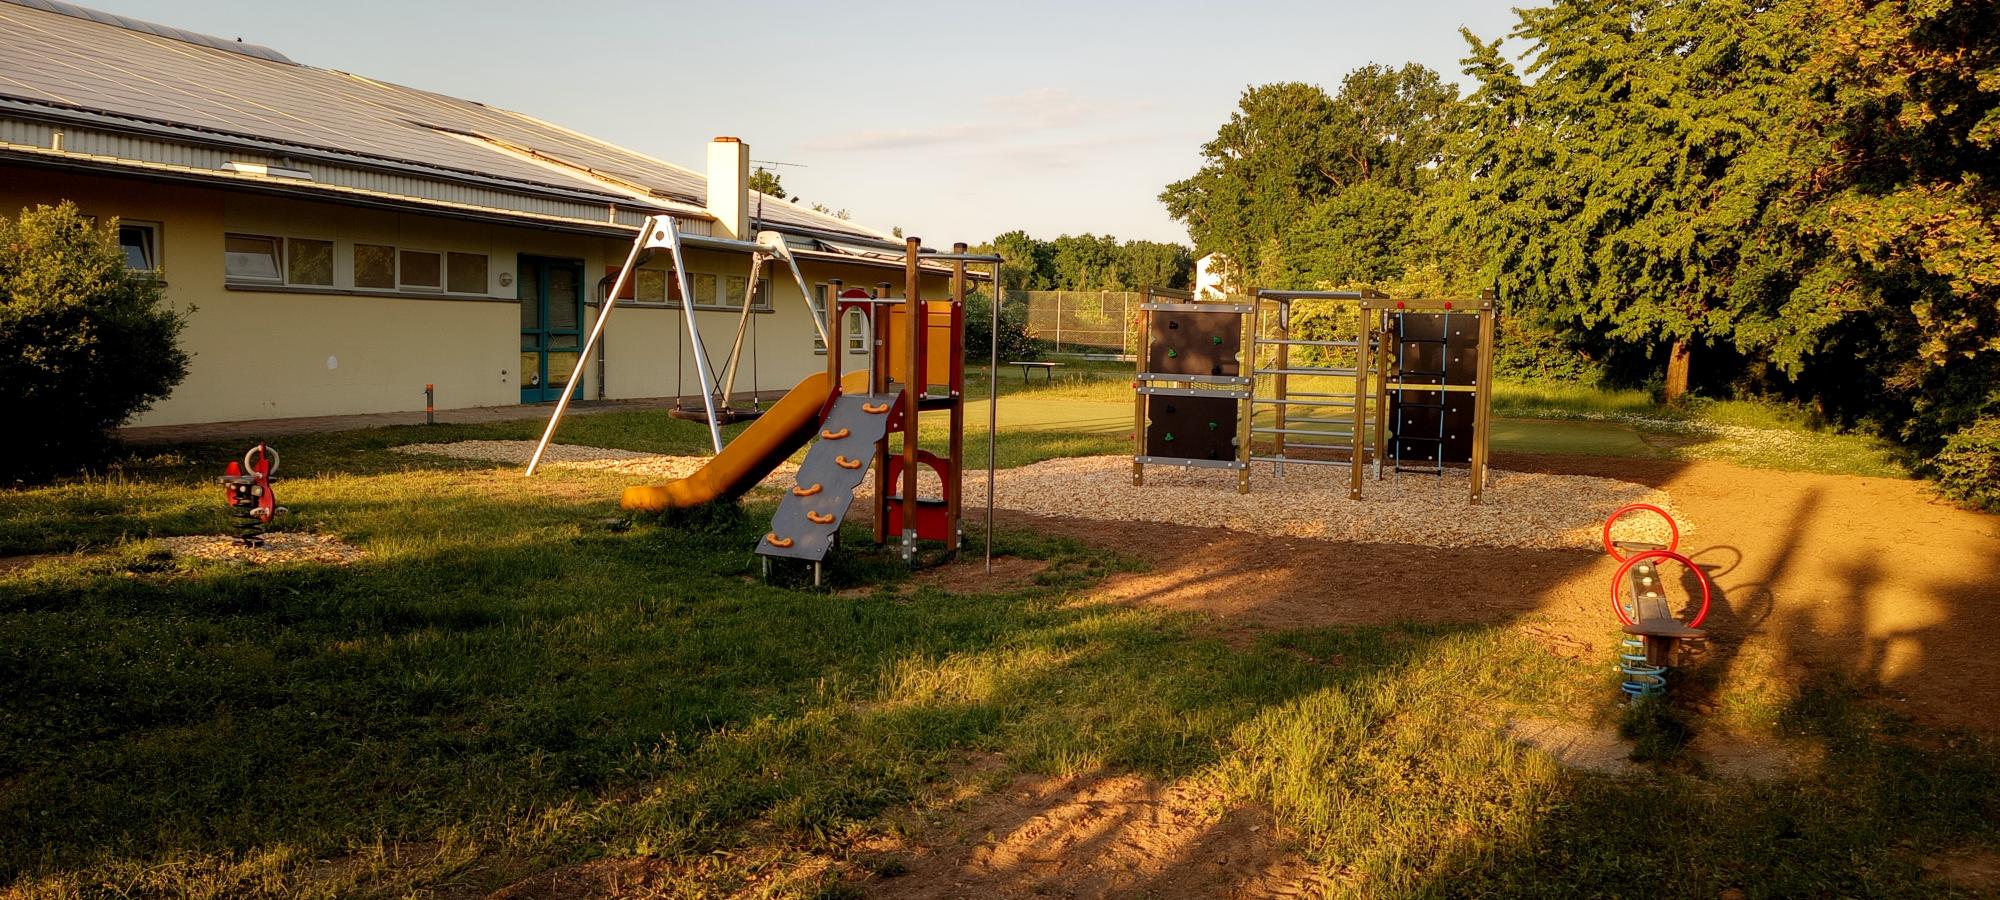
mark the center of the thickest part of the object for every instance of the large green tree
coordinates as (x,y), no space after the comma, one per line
(1596,189)
(1290,149)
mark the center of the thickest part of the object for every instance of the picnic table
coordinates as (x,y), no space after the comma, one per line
(1048,369)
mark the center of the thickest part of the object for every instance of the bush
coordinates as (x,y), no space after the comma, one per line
(85,344)
(1968,468)
(1014,340)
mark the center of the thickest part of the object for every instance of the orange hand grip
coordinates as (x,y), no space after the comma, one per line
(876,408)
(834,435)
(819,518)
(778,542)
(806,491)
(846,463)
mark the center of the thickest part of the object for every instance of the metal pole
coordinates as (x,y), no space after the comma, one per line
(992,407)
(742,325)
(701,370)
(597,330)
(914,387)
(774,243)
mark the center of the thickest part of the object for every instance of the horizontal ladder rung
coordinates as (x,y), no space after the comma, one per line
(1348,373)
(1301,445)
(1304,431)
(1290,342)
(1347,404)
(1303,462)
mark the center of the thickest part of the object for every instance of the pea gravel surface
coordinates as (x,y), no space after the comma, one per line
(1520,509)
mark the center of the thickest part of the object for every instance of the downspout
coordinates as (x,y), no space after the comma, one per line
(603,297)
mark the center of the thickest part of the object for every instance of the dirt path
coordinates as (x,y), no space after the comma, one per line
(1863,576)
(1100,836)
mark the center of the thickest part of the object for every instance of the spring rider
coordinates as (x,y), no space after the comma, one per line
(246,487)
(1652,631)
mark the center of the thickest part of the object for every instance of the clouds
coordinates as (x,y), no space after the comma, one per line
(1032,115)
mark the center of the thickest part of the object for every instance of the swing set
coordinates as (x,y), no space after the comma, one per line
(916,363)
(717,409)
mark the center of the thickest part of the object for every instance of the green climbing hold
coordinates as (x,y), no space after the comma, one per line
(1169,436)
(1173,354)
(1216,340)
(1213,426)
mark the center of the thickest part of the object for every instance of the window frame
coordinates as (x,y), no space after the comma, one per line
(333,272)
(404,287)
(277,259)
(486,290)
(155,246)
(354,264)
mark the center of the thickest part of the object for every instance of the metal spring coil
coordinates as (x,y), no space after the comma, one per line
(1642,679)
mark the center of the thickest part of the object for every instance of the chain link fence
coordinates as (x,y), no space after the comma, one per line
(1098,324)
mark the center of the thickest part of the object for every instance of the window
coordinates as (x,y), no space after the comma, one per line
(309,262)
(141,243)
(374,267)
(704,289)
(421,270)
(649,286)
(856,329)
(248,257)
(819,312)
(465,273)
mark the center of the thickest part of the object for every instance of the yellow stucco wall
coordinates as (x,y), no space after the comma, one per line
(262,353)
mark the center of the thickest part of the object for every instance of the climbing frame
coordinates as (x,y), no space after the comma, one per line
(1191,385)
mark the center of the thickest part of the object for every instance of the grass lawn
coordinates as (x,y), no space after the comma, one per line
(515,679)
(1530,418)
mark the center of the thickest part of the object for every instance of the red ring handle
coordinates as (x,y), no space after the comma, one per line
(1618,581)
(1673,541)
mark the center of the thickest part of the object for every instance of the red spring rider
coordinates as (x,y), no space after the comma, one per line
(246,487)
(1652,630)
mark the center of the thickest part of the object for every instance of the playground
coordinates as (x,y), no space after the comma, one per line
(1199,642)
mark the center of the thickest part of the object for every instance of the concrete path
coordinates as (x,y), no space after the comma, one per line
(256,429)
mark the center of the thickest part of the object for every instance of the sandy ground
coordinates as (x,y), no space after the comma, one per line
(1867,577)
(1521,509)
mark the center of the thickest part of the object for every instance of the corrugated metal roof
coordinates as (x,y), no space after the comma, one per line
(64,57)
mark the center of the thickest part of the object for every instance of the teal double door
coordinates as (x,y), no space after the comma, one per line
(551,294)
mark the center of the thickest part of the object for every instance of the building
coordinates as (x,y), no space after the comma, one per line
(343,242)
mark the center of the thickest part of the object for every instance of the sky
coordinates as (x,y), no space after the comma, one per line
(953,121)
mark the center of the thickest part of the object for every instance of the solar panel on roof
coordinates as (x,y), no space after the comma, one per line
(54,52)
(166,31)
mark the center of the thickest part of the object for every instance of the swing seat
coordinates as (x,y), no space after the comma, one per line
(725,415)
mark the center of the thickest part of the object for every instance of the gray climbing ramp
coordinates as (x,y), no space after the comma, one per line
(841,455)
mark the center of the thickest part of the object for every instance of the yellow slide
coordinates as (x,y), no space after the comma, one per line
(770,440)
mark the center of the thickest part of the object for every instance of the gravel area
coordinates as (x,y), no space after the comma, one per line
(279,547)
(1529,510)
(639,465)
(1520,510)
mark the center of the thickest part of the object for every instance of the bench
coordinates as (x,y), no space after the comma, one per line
(1048,370)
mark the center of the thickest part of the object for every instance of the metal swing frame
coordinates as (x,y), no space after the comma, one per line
(662,232)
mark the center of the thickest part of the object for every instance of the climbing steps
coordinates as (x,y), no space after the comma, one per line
(810,514)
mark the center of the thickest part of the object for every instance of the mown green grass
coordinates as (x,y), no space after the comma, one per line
(513,680)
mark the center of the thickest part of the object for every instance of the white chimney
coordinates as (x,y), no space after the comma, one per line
(729,186)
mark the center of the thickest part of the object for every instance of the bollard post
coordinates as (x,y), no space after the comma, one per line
(430,409)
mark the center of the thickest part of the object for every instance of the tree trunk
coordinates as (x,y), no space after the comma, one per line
(1677,372)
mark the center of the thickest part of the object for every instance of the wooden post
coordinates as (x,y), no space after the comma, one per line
(1142,352)
(832,314)
(913,387)
(1248,367)
(954,486)
(878,348)
(1482,415)
(1360,405)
